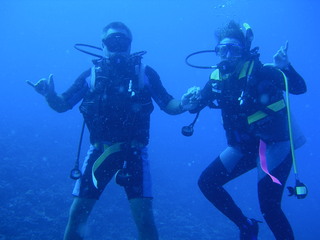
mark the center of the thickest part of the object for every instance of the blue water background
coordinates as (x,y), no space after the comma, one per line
(38,146)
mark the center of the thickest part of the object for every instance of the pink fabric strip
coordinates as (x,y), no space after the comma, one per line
(263,161)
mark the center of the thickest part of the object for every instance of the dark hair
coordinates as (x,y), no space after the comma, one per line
(117,25)
(231,30)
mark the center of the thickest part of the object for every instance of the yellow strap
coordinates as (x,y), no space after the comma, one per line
(215,75)
(294,162)
(244,71)
(107,152)
(277,106)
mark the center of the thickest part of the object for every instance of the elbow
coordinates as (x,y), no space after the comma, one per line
(171,111)
(58,103)
(173,107)
(300,90)
(61,110)
(59,107)
(303,88)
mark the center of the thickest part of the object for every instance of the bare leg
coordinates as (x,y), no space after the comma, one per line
(142,212)
(78,216)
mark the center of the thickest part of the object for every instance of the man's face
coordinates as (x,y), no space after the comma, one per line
(116,41)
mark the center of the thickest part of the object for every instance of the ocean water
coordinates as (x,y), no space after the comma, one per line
(39,145)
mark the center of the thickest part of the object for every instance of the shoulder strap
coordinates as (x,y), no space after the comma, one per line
(93,78)
(247,69)
(142,76)
(215,75)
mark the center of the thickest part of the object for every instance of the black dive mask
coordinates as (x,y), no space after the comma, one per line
(117,42)
(234,50)
(231,53)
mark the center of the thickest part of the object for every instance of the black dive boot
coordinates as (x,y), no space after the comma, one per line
(250,230)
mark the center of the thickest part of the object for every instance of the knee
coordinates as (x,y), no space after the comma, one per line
(202,182)
(81,209)
(205,183)
(214,176)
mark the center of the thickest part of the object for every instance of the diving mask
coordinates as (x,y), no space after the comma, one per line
(234,50)
(117,42)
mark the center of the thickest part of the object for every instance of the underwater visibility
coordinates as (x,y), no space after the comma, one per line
(158,119)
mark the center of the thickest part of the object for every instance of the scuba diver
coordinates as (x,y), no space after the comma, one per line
(255,119)
(116,96)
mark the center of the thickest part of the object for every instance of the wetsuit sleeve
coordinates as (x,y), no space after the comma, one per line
(158,93)
(296,83)
(72,96)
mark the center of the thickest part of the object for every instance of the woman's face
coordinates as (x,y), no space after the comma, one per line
(230,49)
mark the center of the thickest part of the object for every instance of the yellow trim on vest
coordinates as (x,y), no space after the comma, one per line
(108,150)
(244,71)
(277,106)
(215,75)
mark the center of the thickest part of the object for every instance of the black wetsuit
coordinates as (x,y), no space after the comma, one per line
(113,110)
(116,105)
(240,99)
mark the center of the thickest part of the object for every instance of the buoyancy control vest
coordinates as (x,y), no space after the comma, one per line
(118,105)
(252,104)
